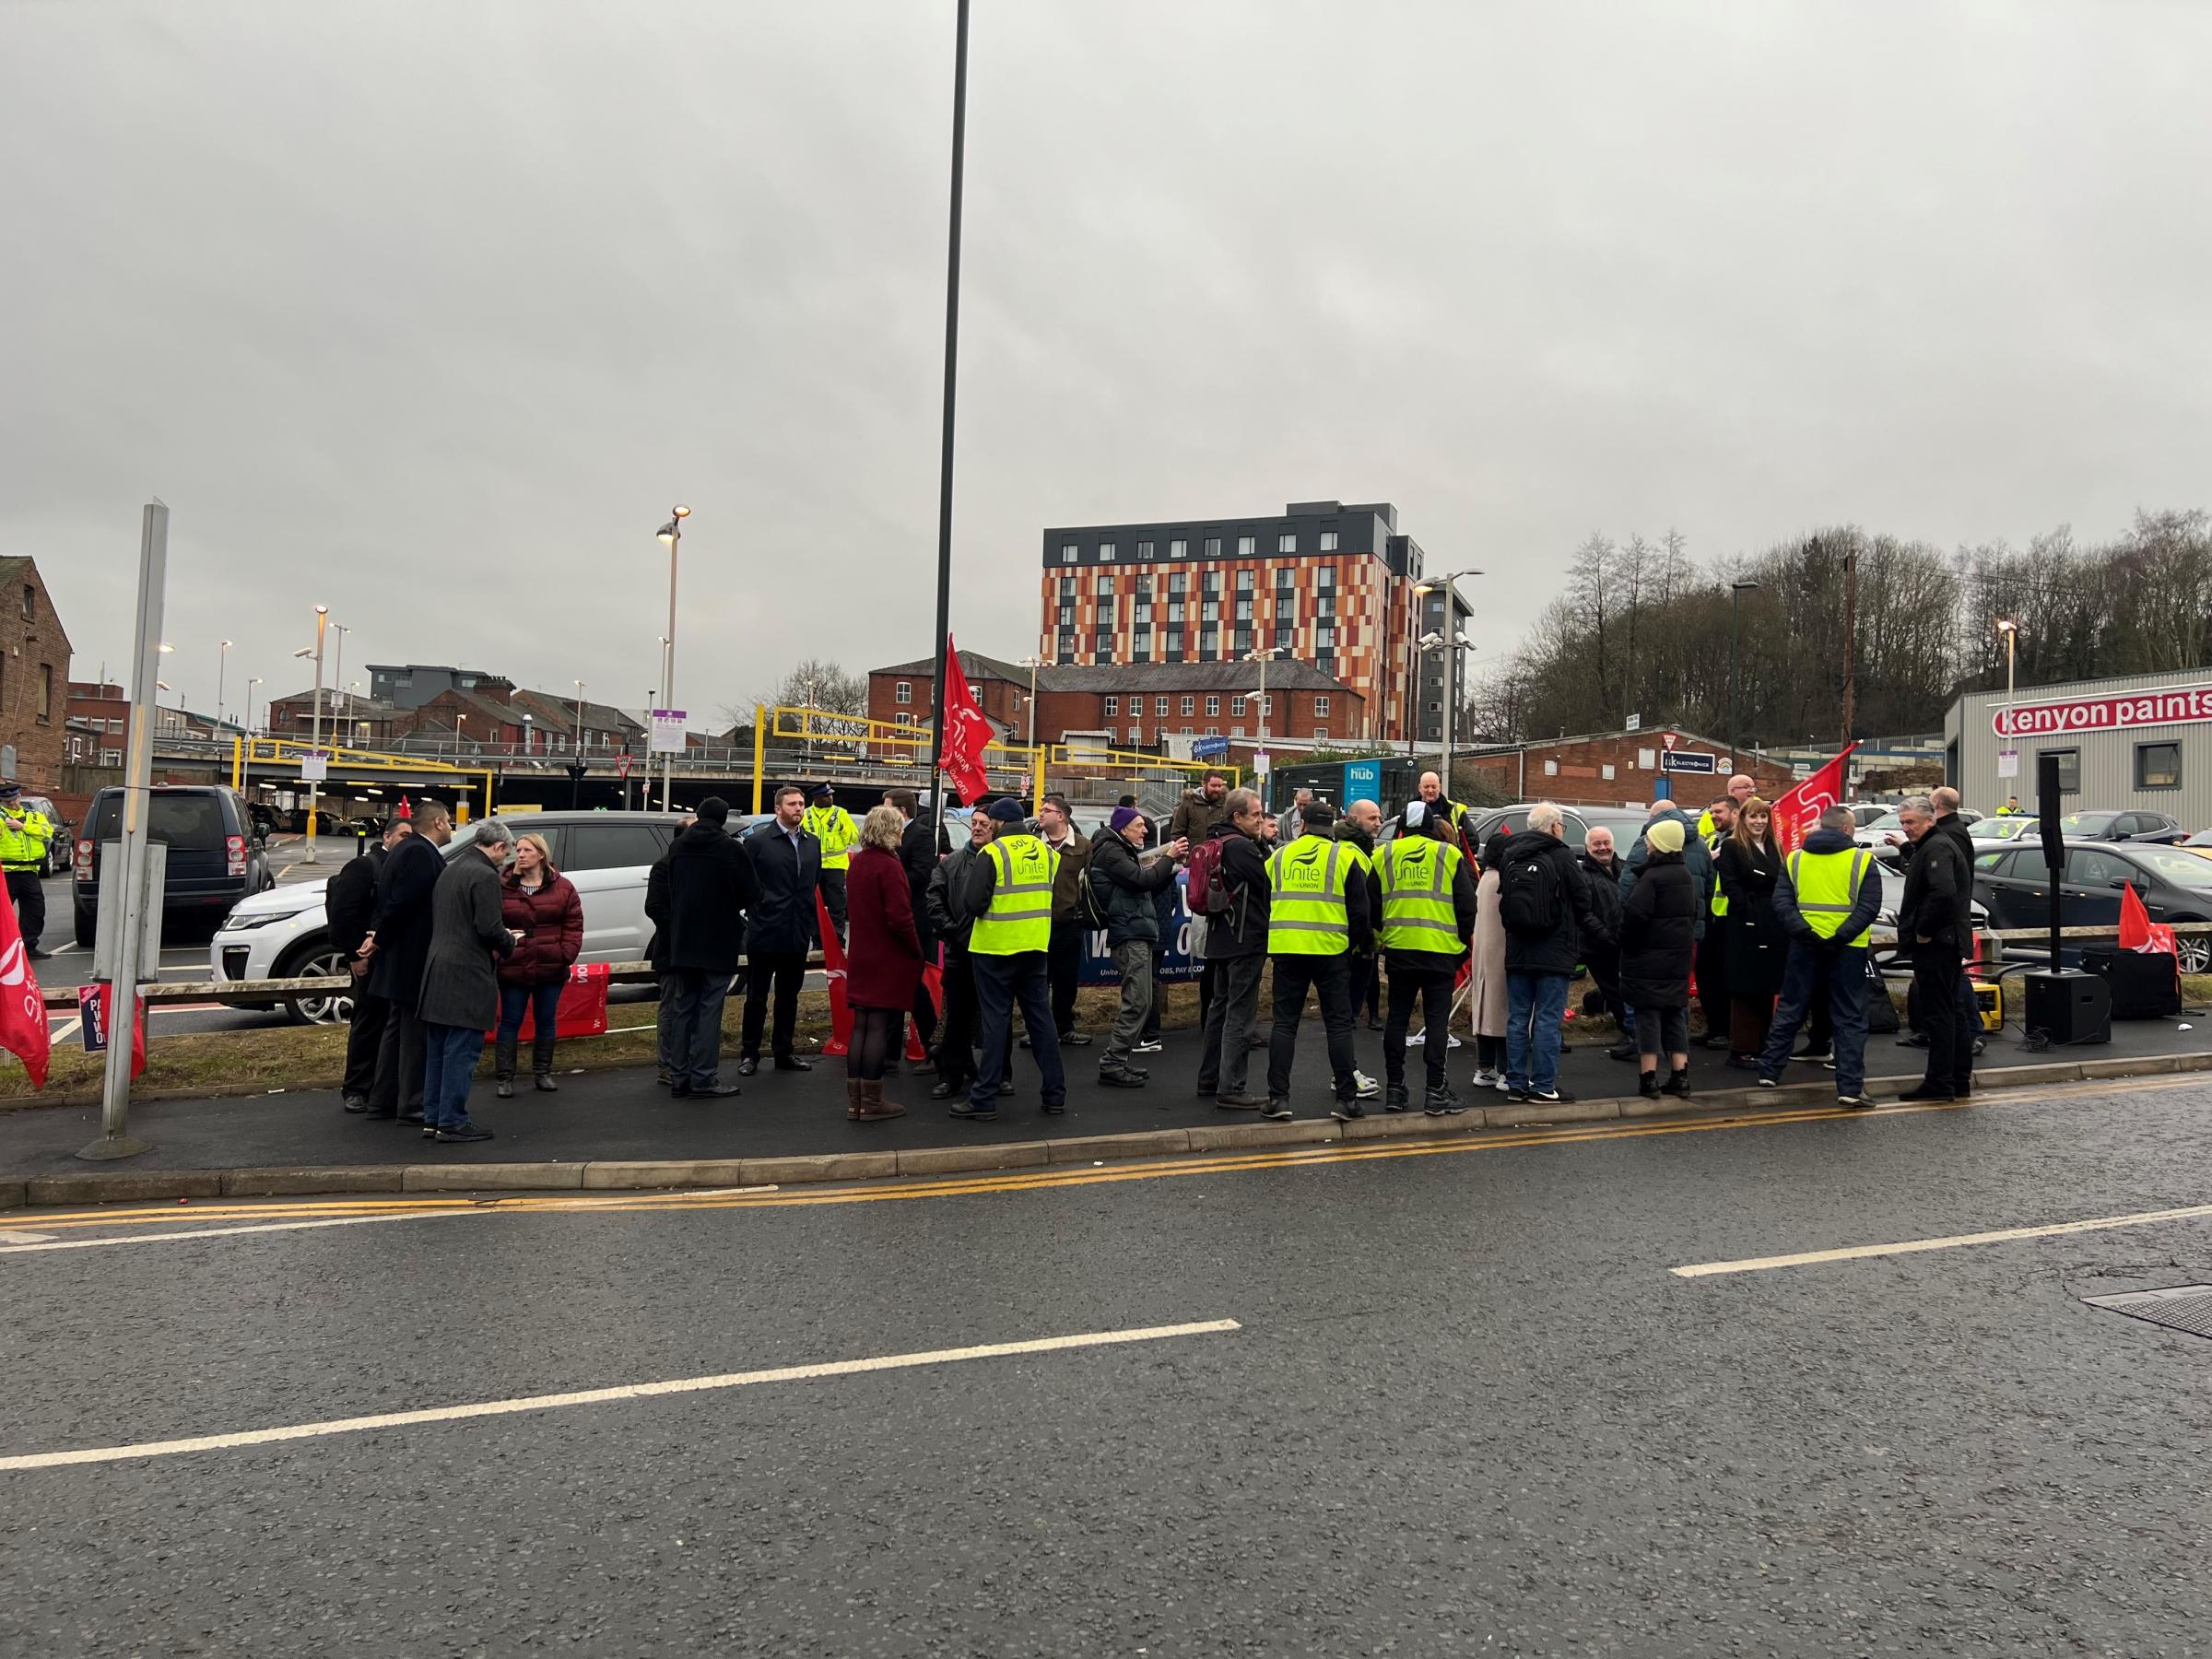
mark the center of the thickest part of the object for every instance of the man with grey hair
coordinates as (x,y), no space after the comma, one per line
(1544,904)
(461,980)
(1827,895)
(1936,918)
(1228,881)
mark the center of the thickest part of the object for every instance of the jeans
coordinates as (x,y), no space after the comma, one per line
(1843,967)
(364,1037)
(1001,981)
(664,1020)
(1227,1054)
(782,971)
(1064,967)
(1134,959)
(1534,1005)
(1331,978)
(543,1005)
(449,1067)
(694,1036)
(1434,987)
(1948,1015)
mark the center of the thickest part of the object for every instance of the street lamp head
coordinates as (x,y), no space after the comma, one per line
(667,531)
(167,647)
(304,651)
(1430,640)
(226,644)
(2005,625)
(1745,587)
(681,511)
(321,610)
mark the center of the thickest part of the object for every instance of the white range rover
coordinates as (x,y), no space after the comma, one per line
(282,933)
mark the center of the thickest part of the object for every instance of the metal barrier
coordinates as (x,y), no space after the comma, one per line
(846,740)
(278,990)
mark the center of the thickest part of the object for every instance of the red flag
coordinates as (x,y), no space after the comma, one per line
(2138,932)
(833,970)
(94,1009)
(22,1005)
(1797,814)
(405,811)
(963,731)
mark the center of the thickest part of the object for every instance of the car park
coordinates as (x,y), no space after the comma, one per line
(214,860)
(2121,827)
(283,933)
(1576,822)
(2174,884)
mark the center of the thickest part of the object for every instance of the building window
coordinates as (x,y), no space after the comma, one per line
(906,717)
(1102,645)
(1174,610)
(1328,541)
(1179,549)
(1282,636)
(1325,579)
(1137,734)
(1244,610)
(1143,613)
(905,693)
(1175,645)
(1243,582)
(2158,765)
(1178,582)
(1213,547)
(1105,552)
(1235,710)
(1240,640)
(1189,705)
(1435,706)
(31,603)
(1210,582)
(1106,585)
(45,686)
(1286,542)
(1113,707)
(1209,610)
(1067,648)
(1144,549)
(1236,731)
(1324,637)
(1209,642)
(111,757)
(1325,605)
(1159,706)
(1268,705)
(1247,546)
(1213,705)
(1067,615)
(1286,579)
(1321,708)
(2069,770)
(1067,553)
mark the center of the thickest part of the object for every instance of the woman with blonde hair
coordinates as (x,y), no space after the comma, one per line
(883,962)
(540,908)
(1746,867)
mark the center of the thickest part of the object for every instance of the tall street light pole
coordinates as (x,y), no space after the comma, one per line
(1737,592)
(673,534)
(315,743)
(1033,663)
(2011,630)
(1449,585)
(952,360)
(337,681)
(1261,658)
(222,670)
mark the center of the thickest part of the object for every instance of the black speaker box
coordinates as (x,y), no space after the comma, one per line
(2068,1007)
(2144,984)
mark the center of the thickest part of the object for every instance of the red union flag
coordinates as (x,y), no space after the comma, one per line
(23,1030)
(964,733)
(1797,814)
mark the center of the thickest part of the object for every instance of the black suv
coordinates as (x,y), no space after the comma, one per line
(213,859)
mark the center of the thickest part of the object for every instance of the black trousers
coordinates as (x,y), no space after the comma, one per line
(1433,988)
(364,1037)
(1062,969)
(924,1013)
(956,1041)
(398,1064)
(1712,977)
(783,972)
(1330,977)
(1367,986)
(833,901)
(1948,1015)
(30,897)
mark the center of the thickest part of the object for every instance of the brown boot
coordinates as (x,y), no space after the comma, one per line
(874,1107)
(855,1101)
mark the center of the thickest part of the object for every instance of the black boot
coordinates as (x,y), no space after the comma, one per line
(1677,1082)
(1647,1085)
(541,1062)
(502,1067)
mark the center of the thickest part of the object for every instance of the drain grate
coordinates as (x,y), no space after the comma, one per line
(2179,1307)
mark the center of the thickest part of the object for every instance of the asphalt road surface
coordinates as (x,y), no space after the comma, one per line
(1331,1401)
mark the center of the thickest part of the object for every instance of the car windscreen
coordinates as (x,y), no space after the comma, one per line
(2183,869)
(2085,823)
(192,821)
(1889,820)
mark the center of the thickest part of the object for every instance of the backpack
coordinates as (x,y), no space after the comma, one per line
(1091,904)
(1529,902)
(1208,894)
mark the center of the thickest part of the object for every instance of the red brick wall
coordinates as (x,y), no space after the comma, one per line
(34,660)
(1580,780)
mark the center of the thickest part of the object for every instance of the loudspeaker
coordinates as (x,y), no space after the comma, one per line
(2047,812)
(2068,1007)
(2144,984)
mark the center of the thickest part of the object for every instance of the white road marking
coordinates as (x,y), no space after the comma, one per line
(66,1029)
(2001,1236)
(600,1396)
(20,1237)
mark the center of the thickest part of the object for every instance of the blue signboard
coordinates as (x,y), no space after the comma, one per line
(1675,760)
(1209,748)
(1097,962)
(1363,782)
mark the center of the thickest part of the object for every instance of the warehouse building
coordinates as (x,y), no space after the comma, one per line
(2140,742)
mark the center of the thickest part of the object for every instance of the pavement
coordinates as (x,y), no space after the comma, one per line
(624,1114)
(1387,1400)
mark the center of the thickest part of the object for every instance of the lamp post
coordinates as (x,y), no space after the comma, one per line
(1432,641)
(1447,586)
(673,534)
(2011,630)
(529,741)
(337,679)
(1033,663)
(245,760)
(459,734)
(1737,592)
(1260,746)
(222,670)
(315,742)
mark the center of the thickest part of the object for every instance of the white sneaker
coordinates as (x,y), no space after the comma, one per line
(1486,1078)
(1501,1085)
(1368,1088)
(1146,1047)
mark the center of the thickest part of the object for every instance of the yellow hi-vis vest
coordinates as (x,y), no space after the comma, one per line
(1417,875)
(1307,882)
(25,848)
(1712,853)
(833,825)
(1021,917)
(1828,890)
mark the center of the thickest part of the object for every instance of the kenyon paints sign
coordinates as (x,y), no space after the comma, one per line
(2174,705)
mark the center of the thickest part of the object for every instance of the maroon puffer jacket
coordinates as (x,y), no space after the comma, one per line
(551,923)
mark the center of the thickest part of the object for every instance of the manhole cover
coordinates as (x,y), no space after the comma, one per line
(2179,1307)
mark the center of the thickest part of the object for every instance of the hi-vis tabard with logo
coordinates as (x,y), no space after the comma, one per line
(1308,882)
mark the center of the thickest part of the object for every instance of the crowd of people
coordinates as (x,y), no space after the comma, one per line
(1340,911)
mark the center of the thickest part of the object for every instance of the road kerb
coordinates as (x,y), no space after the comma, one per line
(12,1195)
(2013,1076)
(311,1178)
(634,1174)
(1235,1138)
(1520,1114)
(1390,1125)
(490,1178)
(124,1185)
(2143,1065)
(829,1166)
(1142,1143)
(960,1160)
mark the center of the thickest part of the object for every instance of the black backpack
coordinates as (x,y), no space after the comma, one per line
(1529,901)
(1091,903)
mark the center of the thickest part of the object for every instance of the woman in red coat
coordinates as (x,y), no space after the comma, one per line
(883,966)
(540,907)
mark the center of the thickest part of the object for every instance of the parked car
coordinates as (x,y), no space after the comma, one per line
(2174,885)
(2122,826)
(2202,838)
(1886,835)
(1626,822)
(2008,827)
(59,850)
(214,860)
(285,934)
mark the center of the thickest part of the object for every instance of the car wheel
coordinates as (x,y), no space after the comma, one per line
(317,1008)
(87,921)
(2193,950)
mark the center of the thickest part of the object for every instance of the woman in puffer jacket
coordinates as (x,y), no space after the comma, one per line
(540,908)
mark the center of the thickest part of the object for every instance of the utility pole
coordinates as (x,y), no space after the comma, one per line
(1850,637)
(952,358)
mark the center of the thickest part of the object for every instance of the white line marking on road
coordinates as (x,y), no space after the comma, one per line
(67,1029)
(18,1237)
(2002,1235)
(225,1233)
(600,1396)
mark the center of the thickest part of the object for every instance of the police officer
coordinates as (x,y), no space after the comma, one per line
(1429,908)
(833,825)
(24,835)
(1317,916)
(1009,890)
(1827,899)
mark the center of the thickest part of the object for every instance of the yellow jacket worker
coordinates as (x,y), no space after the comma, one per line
(833,825)
(24,835)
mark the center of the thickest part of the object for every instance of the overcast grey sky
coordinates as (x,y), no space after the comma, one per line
(428,309)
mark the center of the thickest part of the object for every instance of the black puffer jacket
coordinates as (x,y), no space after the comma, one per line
(1659,935)
(1561,950)
(1241,930)
(1127,884)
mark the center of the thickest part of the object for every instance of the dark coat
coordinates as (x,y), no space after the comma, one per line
(656,912)
(948,917)
(1697,858)
(349,901)
(1758,949)
(1603,956)
(918,854)
(401,923)
(1195,817)
(551,923)
(1127,886)
(468,940)
(1939,890)
(1659,935)
(781,917)
(1352,835)
(709,887)
(1066,866)
(1561,950)
(1241,930)
(883,957)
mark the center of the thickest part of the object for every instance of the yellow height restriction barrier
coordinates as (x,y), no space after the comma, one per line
(1098,765)
(284,754)
(851,742)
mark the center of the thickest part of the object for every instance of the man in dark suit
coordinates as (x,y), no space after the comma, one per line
(397,946)
(349,903)
(710,885)
(787,861)
(918,854)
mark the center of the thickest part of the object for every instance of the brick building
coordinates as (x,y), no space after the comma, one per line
(1616,768)
(34,675)
(1333,586)
(1140,705)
